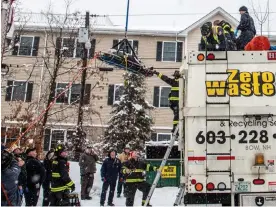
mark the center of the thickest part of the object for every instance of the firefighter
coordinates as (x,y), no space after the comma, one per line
(174,95)
(123,157)
(134,171)
(247,28)
(61,183)
(212,37)
(229,33)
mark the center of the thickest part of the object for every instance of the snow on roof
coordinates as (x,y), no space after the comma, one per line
(162,143)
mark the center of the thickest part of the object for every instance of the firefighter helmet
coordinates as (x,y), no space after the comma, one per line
(60,148)
(206,28)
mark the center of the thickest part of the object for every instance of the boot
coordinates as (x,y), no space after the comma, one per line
(143,203)
(111,204)
(118,195)
(88,198)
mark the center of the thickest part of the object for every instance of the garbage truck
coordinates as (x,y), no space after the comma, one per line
(227,128)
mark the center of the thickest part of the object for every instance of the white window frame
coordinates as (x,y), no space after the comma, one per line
(69,92)
(31,48)
(163,44)
(160,89)
(26,88)
(51,135)
(116,85)
(157,137)
(20,131)
(75,46)
(131,43)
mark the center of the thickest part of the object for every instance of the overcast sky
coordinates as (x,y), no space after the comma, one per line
(192,10)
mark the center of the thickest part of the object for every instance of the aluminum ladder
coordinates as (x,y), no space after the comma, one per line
(163,163)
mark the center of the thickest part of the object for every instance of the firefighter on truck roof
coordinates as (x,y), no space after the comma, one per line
(174,95)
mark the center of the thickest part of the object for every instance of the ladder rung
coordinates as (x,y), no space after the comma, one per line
(217,119)
(217,103)
(216,73)
(216,171)
(218,153)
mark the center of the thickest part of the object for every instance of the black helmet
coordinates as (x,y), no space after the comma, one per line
(206,28)
(6,159)
(60,148)
(176,74)
(243,8)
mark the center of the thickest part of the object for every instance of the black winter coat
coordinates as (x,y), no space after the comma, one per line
(35,172)
(111,169)
(9,177)
(247,24)
(47,163)
(22,178)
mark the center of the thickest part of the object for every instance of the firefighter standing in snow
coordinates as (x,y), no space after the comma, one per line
(61,183)
(134,171)
(123,157)
(35,177)
(174,95)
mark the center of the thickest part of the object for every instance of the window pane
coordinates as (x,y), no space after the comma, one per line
(57,135)
(19,91)
(169,51)
(75,93)
(3,134)
(164,137)
(26,44)
(118,92)
(12,134)
(68,47)
(164,97)
(64,97)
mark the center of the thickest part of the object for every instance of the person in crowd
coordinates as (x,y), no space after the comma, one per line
(61,183)
(123,157)
(46,184)
(134,171)
(35,176)
(110,171)
(22,178)
(247,28)
(88,168)
(10,170)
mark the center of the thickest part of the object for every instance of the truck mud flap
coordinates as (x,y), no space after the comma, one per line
(210,198)
(257,199)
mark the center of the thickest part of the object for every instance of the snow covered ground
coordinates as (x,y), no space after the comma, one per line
(161,197)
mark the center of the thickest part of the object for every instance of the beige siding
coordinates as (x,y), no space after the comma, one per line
(22,69)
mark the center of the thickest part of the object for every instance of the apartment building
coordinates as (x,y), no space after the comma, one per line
(29,77)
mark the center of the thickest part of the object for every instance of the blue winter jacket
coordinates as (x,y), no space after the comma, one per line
(111,169)
(9,179)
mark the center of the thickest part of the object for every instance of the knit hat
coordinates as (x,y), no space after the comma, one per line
(30,150)
(127,146)
(111,150)
(243,8)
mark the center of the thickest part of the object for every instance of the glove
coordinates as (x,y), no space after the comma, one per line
(103,179)
(236,33)
(127,171)
(37,186)
(73,187)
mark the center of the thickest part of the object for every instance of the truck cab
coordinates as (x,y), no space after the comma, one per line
(228,128)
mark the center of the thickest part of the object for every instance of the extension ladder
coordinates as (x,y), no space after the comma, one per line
(163,163)
(179,196)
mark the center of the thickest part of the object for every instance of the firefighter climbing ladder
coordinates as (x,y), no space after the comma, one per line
(211,104)
(163,163)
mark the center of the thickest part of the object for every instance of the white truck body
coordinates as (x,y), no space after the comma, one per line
(242,124)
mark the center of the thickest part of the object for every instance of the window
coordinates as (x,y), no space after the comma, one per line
(53,136)
(28,46)
(134,44)
(70,47)
(161,96)
(19,91)
(161,137)
(9,135)
(114,93)
(72,95)
(169,51)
